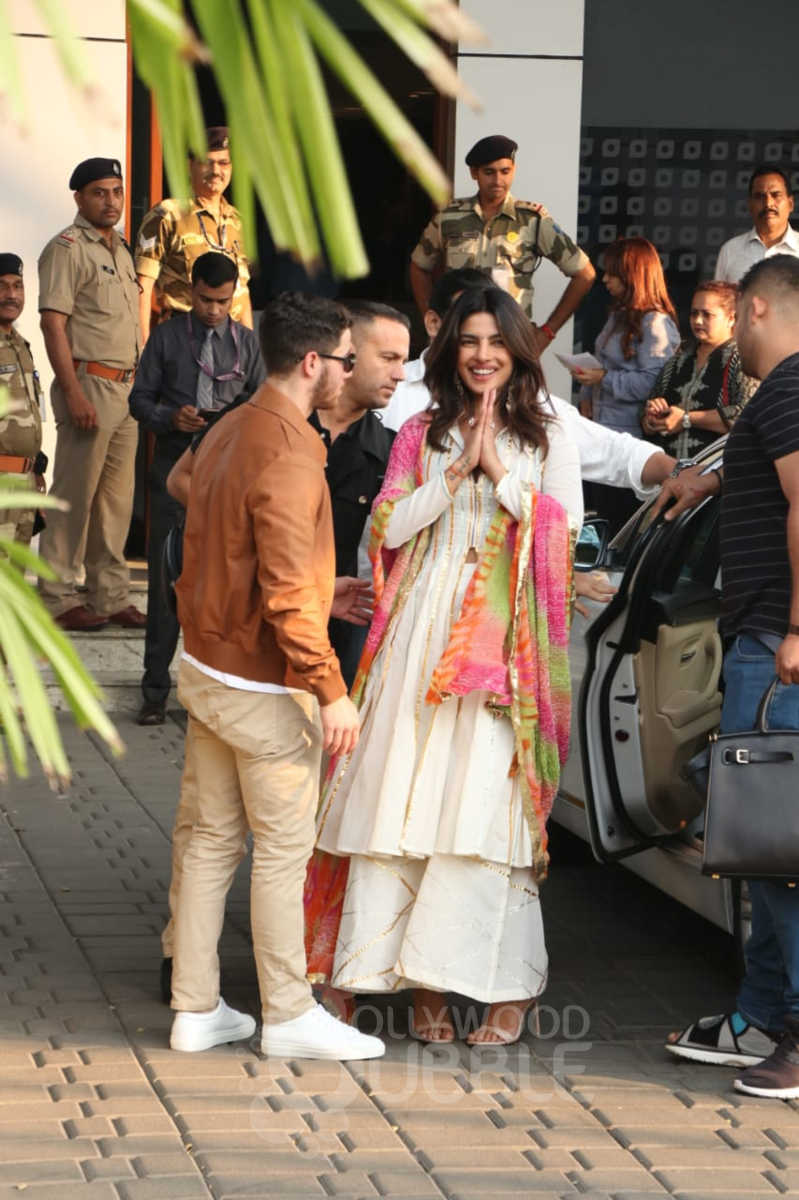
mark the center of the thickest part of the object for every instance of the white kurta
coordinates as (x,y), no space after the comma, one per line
(441,892)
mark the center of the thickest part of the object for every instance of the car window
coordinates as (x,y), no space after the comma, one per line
(693,553)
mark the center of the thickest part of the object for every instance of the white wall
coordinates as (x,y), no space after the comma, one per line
(529,79)
(60,128)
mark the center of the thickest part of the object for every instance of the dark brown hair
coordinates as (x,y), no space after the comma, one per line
(636,263)
(518,402)
(725,293)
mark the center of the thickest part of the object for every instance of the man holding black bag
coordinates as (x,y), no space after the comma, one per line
(760,602)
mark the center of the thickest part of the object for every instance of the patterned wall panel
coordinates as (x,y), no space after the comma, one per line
(683,189)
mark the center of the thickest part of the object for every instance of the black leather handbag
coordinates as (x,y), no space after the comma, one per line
(752,815)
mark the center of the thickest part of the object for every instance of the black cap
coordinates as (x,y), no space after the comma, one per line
(92,169)
(489,149)
(217,137)
(10,264)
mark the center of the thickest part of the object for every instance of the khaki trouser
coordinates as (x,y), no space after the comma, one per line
(252,761)
(16,524)
(94,472)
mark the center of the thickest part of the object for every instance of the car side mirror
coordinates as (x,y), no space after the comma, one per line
(591,544)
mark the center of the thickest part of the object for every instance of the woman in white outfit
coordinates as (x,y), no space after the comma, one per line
(441,809)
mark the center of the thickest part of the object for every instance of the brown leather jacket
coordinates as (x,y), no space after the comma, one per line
(258,557)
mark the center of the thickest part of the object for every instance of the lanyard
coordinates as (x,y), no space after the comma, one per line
(236,373)
(221,230)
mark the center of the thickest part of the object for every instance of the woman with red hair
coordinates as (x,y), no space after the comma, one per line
(639,335)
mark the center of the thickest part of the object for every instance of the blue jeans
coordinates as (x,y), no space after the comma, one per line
(770,987)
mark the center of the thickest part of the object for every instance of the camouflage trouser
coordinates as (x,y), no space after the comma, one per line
(17,523)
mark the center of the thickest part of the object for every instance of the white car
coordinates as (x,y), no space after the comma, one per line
(645,673)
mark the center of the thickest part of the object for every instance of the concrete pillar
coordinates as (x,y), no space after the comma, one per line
(529,79)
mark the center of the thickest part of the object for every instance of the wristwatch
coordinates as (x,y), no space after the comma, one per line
(686,420)
(680,465)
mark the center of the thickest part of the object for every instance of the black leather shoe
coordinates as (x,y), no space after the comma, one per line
(152,712)
(166,980)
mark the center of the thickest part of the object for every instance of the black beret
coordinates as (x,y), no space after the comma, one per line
(10,264)
(92,169)
(489,149)
(216,138)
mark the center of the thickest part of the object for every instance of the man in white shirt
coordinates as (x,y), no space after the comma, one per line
(771,204)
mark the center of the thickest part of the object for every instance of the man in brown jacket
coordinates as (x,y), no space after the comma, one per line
(262,687)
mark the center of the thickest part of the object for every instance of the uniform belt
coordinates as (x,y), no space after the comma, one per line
(117,374)
(12,464)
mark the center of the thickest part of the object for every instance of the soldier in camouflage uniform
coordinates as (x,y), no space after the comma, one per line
(175,233)
(504,237)
(21,424)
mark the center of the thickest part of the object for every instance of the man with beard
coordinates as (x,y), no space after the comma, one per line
(760,620)
(262,687)
(771,204)
(358,447)
(21,422)
(88,300)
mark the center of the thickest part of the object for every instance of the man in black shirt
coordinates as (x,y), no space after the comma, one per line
(358,446)
(193,365)
(760,605)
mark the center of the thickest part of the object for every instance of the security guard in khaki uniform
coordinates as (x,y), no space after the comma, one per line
(502,236)
(175,233)
(88,299)
(21,421)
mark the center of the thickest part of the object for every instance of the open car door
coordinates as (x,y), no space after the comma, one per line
(650,691)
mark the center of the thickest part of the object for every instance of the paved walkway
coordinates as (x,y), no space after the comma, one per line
(93,1103)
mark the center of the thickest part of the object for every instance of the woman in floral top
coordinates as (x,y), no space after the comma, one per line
(701,389)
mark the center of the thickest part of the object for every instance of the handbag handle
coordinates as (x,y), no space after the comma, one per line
(763,706)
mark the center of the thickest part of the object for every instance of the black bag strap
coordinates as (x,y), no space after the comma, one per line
(764,705)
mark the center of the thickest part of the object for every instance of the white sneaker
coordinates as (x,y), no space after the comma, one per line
(201,1031)
(317,1034)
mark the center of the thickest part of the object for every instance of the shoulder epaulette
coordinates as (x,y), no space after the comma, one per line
(68,236)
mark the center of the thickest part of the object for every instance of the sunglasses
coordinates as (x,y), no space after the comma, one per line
(347,360)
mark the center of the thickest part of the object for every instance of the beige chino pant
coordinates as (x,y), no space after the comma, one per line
(252,762)
(94,472)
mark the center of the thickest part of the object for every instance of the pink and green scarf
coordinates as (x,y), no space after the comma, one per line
(510,640)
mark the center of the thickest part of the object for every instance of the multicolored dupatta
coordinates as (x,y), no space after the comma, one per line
(510,640)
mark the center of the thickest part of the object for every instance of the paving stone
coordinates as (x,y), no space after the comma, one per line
(50,1170)
(154,1189)
(107,1168)
(156,1122)
(12,1114)
(405,1183)
(298,1187)
(60,1191)
(657,1157)
(354,1183)
(683,1135)
(708,1180)
(38,1149)
(488,1182)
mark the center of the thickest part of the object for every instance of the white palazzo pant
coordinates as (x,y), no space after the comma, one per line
(446,922)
